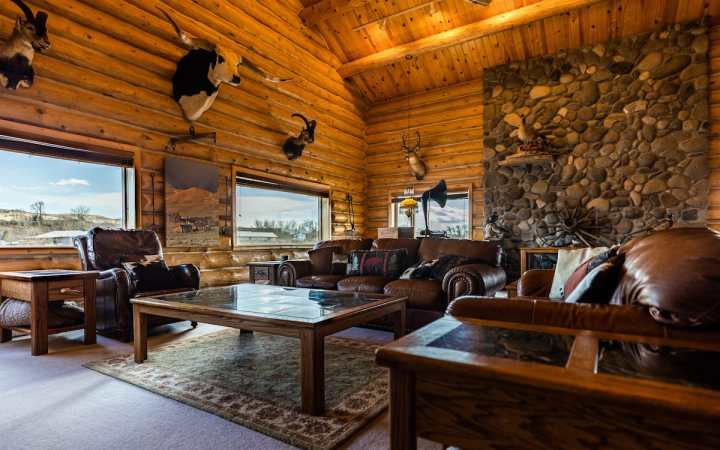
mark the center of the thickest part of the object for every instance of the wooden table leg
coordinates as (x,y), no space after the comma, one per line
(39,318)
(400,322)
(5,335)
(89,307)
(139,334)
(402,410)
(312,350)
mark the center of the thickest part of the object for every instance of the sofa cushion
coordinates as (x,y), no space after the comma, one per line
(16,313)
(367,284)
(319,282)
(676,274)
(385,263)
(422,294)
(410,245)
(483,251)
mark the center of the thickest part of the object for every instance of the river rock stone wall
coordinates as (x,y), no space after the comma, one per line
(628,122)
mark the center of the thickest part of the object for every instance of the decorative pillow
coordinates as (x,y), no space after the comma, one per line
(147,276)
(585,268)
(386,263)
(568,261)
(421,270)
(596,279)
(321,260)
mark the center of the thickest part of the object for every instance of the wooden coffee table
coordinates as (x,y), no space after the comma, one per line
(481,384)
(307,314)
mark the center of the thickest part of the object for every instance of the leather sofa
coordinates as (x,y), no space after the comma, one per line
(105,250)
(427,299)
(668,286)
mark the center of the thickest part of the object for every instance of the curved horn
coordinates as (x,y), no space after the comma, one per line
(252,67)
(192,43)
(26,9)
(307,122)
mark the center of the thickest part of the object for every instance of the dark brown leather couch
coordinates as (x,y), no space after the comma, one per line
(427,299)
(105,250)
(668,286)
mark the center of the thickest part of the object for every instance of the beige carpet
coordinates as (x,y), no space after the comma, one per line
(253,380)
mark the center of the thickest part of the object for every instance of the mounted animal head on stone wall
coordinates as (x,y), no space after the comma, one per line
(295,145)
(203,69)
(412,154)
(17,54)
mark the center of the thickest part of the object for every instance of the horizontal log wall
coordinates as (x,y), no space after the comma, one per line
(108,76)
(450,121)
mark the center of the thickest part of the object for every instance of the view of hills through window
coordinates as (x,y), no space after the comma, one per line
(268,216)
(46,201)
(453,219)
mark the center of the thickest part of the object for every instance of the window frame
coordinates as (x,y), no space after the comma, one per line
(277,182)
(41,142)
(452,190)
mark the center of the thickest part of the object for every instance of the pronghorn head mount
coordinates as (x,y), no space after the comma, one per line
(17,54)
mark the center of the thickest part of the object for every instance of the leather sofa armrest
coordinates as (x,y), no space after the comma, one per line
(339,268)
(188,275)
(290,271)
(473,279)
(115,283)
(535,283)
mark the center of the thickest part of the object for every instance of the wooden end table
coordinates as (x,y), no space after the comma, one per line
(264,272)
(39,288)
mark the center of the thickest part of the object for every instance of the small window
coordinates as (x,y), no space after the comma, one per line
(454,219)
(269,213)
(45,201)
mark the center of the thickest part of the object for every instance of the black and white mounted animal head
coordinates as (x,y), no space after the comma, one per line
(203,69)
(17,54)
(412,154)
(295,145)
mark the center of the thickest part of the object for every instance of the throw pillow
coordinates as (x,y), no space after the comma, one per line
(148,276)
(386,263)
(587,267)
(321,260)
(421,270)
(568,261)
(598,285)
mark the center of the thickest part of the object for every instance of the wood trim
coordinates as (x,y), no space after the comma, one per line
(502,22)
(329,9)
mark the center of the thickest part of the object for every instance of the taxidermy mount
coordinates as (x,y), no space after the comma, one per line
(17,54)
(202,70)
(294,146)
(417,166)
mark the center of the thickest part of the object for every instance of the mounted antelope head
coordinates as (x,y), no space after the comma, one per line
(294,146)
(417,166)
(17,54)
(202,70)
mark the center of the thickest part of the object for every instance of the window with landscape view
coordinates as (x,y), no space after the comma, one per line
(269,213)
(453,219)
(46,201)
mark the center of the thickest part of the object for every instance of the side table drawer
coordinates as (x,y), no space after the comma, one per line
(66,290)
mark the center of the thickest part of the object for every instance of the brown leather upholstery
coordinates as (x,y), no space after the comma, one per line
(328,282)
(367,284)
(676,274)
(410,245)
(474,278)
(488,252)
(421,294)
(535,283)
(346,245)
(105,250)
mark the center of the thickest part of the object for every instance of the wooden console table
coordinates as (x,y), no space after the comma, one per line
(480,384)
(264,272)
(39,288)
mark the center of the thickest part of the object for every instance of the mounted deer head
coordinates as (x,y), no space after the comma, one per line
(17,54)
(294,146)
(202,70)
(417,166)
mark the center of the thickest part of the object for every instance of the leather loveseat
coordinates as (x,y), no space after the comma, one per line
(427,298)
(105,250)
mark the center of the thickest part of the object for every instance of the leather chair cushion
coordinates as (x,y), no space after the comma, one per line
(368,284)
(410,245)
(676,273)
(421,294)
(321,260)
(319,282)
(16,313)
(108,249)
(488,252)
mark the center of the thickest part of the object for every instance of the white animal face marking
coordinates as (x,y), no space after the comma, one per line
(196,105)
(226,70)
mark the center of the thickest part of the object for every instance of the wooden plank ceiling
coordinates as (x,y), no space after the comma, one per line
(356,29)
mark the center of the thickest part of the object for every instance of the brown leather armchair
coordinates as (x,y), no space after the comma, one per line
(105,250)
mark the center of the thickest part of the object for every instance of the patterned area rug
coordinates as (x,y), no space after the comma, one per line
(254,380)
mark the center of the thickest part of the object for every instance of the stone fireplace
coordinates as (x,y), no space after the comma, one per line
(626,126)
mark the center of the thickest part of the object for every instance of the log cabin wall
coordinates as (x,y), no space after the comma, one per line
(108,76)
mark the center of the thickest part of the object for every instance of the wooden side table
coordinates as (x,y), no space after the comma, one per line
(41,287)
(264,272)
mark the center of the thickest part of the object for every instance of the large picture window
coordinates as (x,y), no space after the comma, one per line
(272,213)
(45,201)
(454,219)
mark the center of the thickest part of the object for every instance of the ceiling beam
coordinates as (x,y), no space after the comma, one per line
(502,22)
(328,9)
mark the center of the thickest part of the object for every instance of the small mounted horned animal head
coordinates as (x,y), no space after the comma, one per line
(294,146)
(17,54)
(417,166)
(202,70)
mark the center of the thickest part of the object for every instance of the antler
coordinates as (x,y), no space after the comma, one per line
(417,147)
(29,16)
(185,38)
